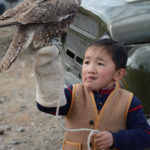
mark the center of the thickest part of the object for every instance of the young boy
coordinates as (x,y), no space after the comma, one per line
(96,103)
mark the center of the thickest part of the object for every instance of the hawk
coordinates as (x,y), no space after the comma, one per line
(38,22)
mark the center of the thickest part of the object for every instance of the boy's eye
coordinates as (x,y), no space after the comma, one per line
(100,64)
(86,62)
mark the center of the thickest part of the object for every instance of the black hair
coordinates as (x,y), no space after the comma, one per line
(115,49)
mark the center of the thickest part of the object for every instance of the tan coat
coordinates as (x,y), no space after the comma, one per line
(83,113)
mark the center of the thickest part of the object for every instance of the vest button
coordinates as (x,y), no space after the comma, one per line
(91,122)
(100,96)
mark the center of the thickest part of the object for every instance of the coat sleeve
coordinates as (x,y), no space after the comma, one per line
(137,134)
(63,110)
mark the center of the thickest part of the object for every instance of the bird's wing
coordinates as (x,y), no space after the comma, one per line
(21,7)
(21,40)
(46,11)
(40,11)
(11,16)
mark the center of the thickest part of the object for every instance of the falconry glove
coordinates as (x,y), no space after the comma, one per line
(48,71)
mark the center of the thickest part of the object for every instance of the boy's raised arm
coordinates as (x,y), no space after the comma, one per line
(48,71)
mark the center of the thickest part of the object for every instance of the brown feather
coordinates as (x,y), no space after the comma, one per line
(39,21)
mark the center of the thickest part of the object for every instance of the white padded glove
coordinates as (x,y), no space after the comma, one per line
(48,71)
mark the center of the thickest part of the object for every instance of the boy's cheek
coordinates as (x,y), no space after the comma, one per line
(104,74)
(83,76)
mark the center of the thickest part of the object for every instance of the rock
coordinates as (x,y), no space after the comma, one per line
(20,129)
(8,128)
(15,142)
(2,147)
(2,131)
(1,113)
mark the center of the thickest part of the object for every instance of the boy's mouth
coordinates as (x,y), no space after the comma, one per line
(88,79)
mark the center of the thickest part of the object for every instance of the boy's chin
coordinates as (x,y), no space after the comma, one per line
(91,88)
(88,86)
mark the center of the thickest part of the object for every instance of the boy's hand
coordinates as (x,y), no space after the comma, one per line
(49,74)
(103,139)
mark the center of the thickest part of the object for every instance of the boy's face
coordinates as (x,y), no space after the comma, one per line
(98,70)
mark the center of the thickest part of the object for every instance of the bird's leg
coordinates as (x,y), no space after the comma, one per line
(56,41)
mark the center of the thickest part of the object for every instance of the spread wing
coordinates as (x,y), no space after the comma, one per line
(39,11)
(39,21)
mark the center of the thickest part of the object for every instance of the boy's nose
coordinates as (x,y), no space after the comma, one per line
(91,69)
(92,72)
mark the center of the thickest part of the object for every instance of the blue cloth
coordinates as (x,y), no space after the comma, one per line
(137,134)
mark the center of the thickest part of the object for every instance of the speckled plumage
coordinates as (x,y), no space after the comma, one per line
(38,22)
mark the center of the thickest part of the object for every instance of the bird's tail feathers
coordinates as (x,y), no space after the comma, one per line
(20,42)
(10,56)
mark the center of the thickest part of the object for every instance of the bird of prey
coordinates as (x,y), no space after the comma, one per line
(38,22)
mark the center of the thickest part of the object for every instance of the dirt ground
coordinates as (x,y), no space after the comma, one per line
(22,125)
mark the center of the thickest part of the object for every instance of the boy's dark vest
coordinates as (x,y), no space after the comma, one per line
(83,114)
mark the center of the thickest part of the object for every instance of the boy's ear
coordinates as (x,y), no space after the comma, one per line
(119,74)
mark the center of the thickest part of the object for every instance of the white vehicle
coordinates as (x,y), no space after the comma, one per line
(127,21)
